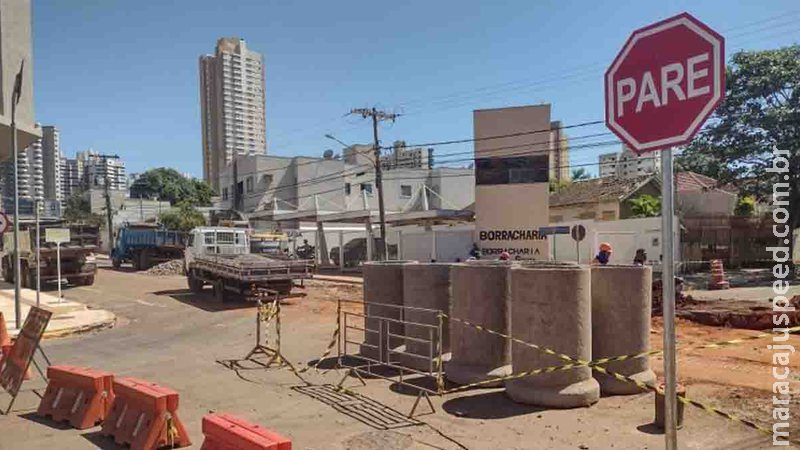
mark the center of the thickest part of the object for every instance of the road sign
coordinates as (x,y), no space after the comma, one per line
(548,231)
(57,235)
(660,89)
(578,233)
(664,83)
(4,223)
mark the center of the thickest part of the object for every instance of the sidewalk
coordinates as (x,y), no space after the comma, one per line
(68,317)
(339,278)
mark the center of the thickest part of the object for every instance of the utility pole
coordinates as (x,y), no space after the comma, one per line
(108,216)
(16,94)
(378,116)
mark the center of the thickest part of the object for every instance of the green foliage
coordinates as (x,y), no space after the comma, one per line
(745,206)
(580,174)
(556,185)
(645,205)
(184,217)
(760,113)
(168,184)
(77,209)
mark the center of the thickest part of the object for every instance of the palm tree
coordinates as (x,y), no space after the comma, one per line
(580,174)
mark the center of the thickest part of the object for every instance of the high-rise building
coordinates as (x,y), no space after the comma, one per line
(232,105)
(608,164)
(627,164)
(403,157)
(29,169)
(51,163)
(558,155)
(100,168)
(71,177)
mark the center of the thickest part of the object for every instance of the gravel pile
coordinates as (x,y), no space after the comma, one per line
(174,267)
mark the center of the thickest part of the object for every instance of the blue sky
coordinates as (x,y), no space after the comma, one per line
(121,76)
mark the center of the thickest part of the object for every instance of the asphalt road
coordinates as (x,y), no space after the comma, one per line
(170,336)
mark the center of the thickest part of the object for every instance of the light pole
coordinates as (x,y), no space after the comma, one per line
(17,93)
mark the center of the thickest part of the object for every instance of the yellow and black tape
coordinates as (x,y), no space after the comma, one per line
(596,365)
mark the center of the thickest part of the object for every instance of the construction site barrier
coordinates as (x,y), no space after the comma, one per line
(144,415)
(5,339)
(228,432)
(717,280)
(83,397)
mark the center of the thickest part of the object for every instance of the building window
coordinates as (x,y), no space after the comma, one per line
(224,193)
(405,191)
(347,188)
(366,187)
(249,184)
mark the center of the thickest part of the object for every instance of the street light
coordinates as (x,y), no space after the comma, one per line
(332,137)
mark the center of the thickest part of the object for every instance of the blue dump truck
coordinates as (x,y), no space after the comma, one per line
(145,245)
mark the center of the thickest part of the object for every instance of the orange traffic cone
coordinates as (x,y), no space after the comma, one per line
(717,280)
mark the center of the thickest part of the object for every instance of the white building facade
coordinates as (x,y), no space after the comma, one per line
(627,164)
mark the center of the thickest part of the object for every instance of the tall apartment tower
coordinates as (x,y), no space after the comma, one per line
(96,168)
(71,177)
(31,177)
(51,163)
(232,105)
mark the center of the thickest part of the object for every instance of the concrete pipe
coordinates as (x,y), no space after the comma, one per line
(551,307)
(426,286)
(479,294)
(383,299)
(621,308)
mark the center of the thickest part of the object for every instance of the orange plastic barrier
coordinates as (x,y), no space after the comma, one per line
(144,415)
(228,432)
(80,396)
(5,339)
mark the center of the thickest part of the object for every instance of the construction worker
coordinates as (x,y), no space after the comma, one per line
(604,255)
(640,258)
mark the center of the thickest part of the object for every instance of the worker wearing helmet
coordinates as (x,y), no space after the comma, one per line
(604,255)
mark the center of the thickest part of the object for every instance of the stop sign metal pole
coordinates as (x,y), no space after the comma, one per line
(668,299)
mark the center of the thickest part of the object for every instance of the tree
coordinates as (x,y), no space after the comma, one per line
(760,115)
(77,209)
(182,218)
(168,184)
(745,206)
(645,205)
(580,174)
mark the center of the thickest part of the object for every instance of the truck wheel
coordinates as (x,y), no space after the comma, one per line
(25,279)
(116,263)
(144,261)
(219,291)
(284,288)
(195,284)
(88,281)
(135,261)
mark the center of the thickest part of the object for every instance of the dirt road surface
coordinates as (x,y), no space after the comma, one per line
(170,336)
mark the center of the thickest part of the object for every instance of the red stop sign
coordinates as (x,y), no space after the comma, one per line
(664,83)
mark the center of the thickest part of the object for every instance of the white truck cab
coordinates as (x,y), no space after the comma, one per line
(216,241)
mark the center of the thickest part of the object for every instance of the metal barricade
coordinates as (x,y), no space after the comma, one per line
(383,350)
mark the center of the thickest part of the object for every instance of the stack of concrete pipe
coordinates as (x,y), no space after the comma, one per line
(582,312)
(552,308)
(480,295)
(426,294)
(621,309)
(383,285)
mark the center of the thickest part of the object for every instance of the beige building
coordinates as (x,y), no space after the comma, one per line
(232,106)
(51,162)
(600,198)
(627,164)
(15,47)
(404,157)
(511,180)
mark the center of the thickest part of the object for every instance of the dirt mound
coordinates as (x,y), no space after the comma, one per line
(174,267)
